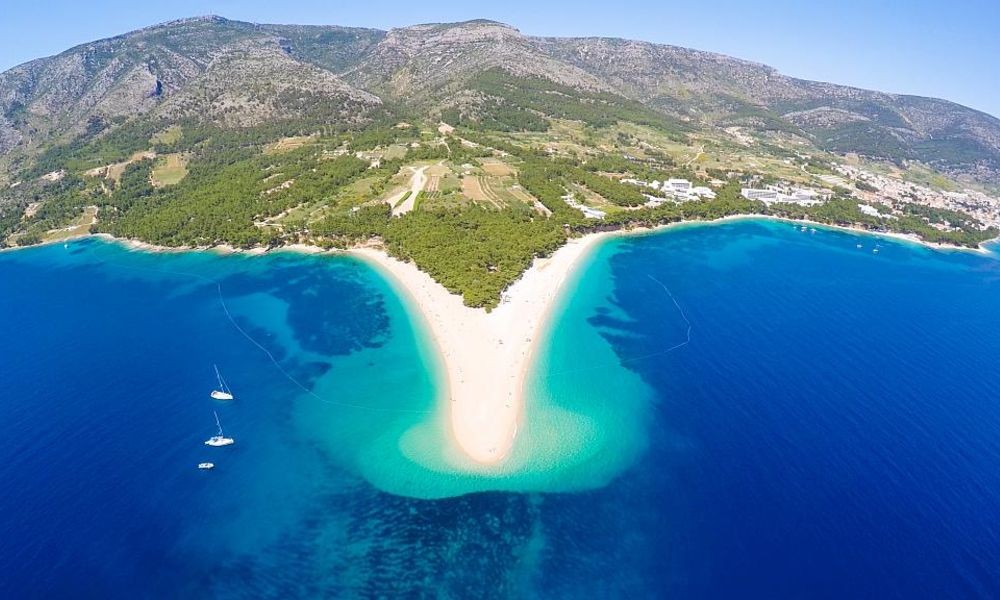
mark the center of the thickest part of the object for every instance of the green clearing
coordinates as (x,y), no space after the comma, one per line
(169,136)
(79,226)
(169,169)
(921,175)
(394,152)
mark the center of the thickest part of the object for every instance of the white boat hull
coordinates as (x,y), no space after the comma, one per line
(206,466)
(219,441)
(221,395)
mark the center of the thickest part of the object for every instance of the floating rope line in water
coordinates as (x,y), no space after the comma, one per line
(310,392)
(261,347)
(619,362)
(687,322)
(295,381)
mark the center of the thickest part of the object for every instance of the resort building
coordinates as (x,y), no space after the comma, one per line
(772,194)
(682,186)
(765,195)
(677,189)
(703,192)
(589,212)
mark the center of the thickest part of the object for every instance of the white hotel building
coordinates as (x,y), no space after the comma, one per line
(772,194)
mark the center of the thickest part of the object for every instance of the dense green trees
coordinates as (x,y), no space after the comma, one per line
(11,213)
(865,186)
(64,201)
(345,228)
(543,180)
(221,202)
(474,252)
(659,169)
(611,190)
(495,115)
(515,104)
(237,193)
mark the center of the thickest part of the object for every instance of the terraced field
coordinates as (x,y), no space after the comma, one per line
(288,144)
(496,167)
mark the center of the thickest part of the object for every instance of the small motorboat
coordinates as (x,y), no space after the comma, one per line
(205,466)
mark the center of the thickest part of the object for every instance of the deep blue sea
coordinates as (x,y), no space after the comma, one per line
(776,413)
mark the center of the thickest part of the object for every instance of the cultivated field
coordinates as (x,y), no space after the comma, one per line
(288,144)
(496,167)
(169,169)
(474,189)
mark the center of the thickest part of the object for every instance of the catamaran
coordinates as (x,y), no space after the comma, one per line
(219,439)
(223,393)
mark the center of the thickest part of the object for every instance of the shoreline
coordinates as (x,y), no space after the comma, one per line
(910,238)
(487,356)
(899,237)
(300,248)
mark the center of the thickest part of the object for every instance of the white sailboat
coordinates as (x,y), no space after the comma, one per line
(219,439)
(223,393)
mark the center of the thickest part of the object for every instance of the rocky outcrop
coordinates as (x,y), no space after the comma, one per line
(241,74)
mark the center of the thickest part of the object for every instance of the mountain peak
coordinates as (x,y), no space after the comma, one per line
(206,19)
(483,29)
(484,22)
(437,66)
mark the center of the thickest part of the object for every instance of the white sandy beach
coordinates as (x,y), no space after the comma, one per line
(486,355)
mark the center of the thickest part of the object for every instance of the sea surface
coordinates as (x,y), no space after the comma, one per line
(741,409)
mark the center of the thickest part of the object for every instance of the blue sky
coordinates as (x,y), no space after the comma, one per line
(947,49)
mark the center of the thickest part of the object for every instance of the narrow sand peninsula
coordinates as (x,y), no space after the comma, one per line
(486,355)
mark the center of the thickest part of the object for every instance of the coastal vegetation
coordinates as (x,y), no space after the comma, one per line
(254,189)
(503,168)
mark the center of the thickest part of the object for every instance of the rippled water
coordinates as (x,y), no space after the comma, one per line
(832,428)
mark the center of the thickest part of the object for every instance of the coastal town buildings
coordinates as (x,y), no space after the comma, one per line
(777,194)
(895,193)
(588,211)
(674,189)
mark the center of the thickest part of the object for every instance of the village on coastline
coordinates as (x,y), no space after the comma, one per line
(487,353)
(878,195)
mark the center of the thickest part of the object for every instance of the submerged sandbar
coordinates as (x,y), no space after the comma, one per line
(487,355)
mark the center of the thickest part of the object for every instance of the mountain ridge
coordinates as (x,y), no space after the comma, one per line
(98,85)
(469,149)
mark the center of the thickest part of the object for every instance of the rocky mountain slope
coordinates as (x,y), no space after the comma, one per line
(237,74)
(231,73)
(724,90)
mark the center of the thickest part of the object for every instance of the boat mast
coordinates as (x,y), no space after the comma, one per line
(217,422)
(222,383)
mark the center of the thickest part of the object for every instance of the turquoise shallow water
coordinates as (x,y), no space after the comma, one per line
(828,428)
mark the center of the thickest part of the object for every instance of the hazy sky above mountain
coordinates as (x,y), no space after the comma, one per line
(946,49)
